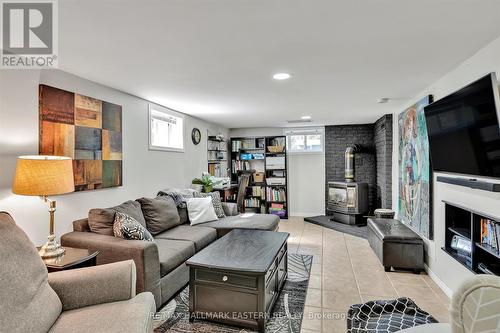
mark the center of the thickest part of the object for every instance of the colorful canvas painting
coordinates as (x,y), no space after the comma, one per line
(86,129)
(415,173)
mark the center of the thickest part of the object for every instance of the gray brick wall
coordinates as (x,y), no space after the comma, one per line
(373,168)
(383,147)
(337,139)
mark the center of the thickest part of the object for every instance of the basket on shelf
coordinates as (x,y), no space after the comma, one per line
(258,177)
(275,149)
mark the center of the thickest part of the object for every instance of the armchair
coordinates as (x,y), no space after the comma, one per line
(474,308)
(95,299)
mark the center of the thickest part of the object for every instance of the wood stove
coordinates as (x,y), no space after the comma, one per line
(348,201)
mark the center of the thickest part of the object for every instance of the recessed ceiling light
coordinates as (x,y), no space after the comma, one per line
(281,76)
(383,100)
(305,117)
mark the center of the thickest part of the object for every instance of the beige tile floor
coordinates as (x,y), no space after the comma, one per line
(345,271)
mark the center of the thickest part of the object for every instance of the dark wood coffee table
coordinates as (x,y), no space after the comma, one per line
(237,279)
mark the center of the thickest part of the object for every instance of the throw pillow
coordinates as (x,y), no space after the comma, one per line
(201,210)
(127,227)
(160,214)
(101,220)
(215,196)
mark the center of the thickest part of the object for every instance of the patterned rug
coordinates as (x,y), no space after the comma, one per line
(355,230)
(286,316)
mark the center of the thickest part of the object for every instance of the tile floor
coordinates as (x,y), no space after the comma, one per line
(345,271)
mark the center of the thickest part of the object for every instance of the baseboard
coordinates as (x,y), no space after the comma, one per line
(438,281)
(298,214)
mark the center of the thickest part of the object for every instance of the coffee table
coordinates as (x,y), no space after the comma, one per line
(237,279)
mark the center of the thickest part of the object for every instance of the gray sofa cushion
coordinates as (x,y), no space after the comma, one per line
(160,213)
(243,221)
(101,219)
(200,236)
(173,253)
(29,304)
(133,315)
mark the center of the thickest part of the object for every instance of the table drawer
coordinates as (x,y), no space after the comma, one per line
(282,267)
(226,279)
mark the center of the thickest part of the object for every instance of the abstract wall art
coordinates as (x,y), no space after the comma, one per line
(415,173)
(86,129)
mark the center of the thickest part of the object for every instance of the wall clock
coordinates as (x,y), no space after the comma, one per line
(196,136)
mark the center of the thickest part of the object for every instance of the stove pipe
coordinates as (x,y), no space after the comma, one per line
(349,162)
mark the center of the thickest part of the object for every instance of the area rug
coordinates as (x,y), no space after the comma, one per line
(358,231)
(286,316)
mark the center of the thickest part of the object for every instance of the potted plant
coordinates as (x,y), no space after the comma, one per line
(207,182)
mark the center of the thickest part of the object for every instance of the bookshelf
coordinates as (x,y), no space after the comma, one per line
(217,156)
(267,156)
(481,230)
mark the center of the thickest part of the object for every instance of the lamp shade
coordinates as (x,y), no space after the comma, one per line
(43,175)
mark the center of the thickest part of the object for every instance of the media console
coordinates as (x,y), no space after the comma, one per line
(465,225)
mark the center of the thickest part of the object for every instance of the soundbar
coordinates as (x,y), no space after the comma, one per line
(472,183)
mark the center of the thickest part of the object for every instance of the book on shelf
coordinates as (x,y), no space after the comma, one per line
(490,232)
(275,194)
(257,191)
(252,203)
(237,165)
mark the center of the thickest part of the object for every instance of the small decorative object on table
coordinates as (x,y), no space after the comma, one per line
(71,259)
(43,176)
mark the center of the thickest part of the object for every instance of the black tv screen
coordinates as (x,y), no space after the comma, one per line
(464,135)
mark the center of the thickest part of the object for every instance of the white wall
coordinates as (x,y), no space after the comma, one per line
(444,269)
(144,171)
(306,176)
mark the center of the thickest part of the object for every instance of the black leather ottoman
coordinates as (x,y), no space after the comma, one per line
(396,245)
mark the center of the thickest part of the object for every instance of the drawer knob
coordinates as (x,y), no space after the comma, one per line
(224,278)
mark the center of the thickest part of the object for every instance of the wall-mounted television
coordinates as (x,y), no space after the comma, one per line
(463,129)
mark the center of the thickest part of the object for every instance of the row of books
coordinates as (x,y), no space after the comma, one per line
(237,145)
(216,170)
(490,231)
(257,191)
(277,209)
(274,194)
(237,165)
(252,203)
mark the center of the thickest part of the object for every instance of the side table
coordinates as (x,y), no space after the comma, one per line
(71,259)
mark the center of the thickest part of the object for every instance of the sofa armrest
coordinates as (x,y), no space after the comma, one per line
(230,208)
(113,249)
(82,287)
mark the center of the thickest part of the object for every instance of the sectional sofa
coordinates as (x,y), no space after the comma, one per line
(160,265)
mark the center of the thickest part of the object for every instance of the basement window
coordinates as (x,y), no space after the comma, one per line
(305,140)
(166,129)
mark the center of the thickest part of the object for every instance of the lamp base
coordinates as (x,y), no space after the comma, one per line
(51,249)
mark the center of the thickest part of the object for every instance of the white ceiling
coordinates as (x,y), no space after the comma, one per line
(214,59)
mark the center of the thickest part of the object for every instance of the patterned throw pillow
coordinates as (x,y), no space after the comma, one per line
(216,202)
(127,227)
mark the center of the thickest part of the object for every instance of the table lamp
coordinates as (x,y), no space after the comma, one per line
(45,176)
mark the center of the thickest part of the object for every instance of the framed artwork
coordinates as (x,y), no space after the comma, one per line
(415,172)
(86,129)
